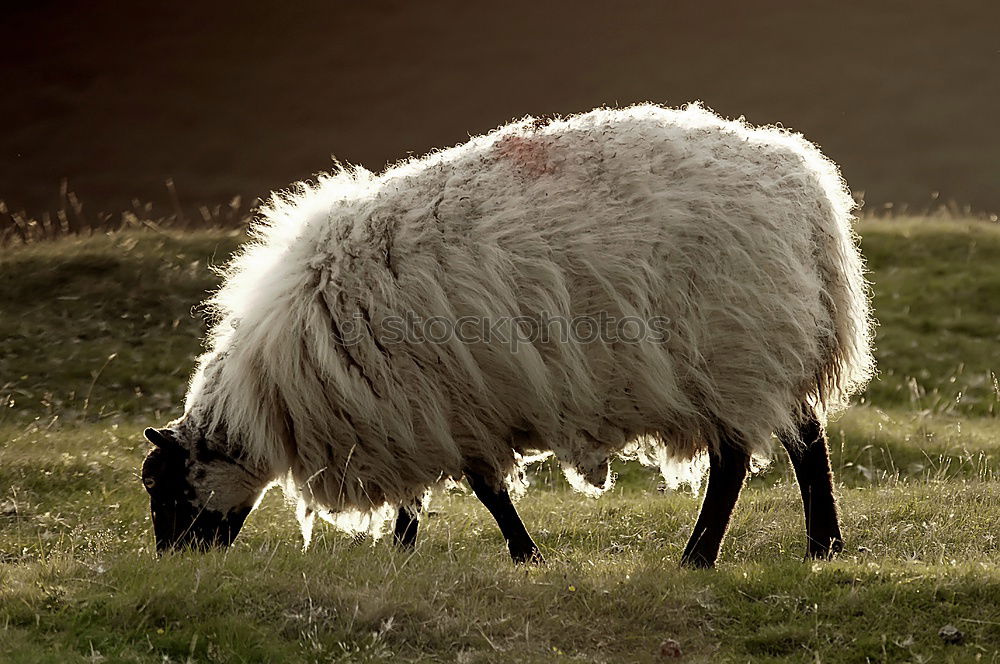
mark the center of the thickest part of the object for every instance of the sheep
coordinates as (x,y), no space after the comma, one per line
(379,336)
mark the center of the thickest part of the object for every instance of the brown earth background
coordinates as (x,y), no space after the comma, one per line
(230,98)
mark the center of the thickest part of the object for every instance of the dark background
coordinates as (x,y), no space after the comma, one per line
(242,98)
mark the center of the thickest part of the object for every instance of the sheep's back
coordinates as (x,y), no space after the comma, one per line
(710,230)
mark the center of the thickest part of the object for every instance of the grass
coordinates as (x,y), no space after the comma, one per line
(97,337)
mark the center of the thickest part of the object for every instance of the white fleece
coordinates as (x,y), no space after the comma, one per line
(739,237)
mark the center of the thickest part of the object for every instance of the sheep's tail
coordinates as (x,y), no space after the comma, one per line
(848,364)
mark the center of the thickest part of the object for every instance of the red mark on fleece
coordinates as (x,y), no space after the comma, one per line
(529,155)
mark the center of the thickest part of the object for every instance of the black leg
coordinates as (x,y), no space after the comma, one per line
(407,522)
(726,473)
(810,458)
(522,548)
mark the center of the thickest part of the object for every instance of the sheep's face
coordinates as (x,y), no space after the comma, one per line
(198,498)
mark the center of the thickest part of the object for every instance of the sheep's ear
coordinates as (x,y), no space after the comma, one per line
(159,438)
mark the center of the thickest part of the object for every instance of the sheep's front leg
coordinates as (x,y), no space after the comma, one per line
(407,521)
(519,543)
(727,471)
(810,458)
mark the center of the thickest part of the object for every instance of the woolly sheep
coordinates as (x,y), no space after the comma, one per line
(729,247)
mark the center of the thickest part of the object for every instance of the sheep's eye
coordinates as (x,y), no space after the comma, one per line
(148,482)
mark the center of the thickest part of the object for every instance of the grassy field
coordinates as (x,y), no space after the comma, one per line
(97,338)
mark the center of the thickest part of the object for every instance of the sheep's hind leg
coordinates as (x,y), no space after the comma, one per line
(407,521)
(810,456)
(519,543)
(727,471)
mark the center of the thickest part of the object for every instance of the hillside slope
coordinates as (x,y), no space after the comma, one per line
(240,98)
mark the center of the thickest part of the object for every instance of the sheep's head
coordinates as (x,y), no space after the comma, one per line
(198,497)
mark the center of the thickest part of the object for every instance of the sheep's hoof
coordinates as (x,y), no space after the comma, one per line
(697,561)
(404,545)
(699,554)
(825,548)
(530,556)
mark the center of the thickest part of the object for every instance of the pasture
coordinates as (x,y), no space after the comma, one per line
(97,339)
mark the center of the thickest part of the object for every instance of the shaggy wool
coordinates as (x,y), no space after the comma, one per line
(735,242)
